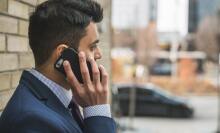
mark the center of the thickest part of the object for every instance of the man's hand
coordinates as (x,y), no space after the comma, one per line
(91,92)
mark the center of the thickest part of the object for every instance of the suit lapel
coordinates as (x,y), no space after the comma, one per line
(44,94)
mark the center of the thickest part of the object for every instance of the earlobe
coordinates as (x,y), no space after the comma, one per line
(60,49)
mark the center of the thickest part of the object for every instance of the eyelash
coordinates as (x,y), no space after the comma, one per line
(93,47)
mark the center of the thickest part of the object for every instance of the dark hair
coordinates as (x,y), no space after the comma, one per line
(60,21)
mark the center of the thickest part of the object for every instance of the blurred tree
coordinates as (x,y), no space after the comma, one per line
(208,37)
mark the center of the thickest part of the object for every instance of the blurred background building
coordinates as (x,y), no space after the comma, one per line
(177,44)
(166,37)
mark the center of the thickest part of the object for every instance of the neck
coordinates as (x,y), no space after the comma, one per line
(53,75)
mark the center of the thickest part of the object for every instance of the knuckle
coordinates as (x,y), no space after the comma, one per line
(105,75)
(99,90)
(96,73)
(81,58)
(88,83)
(89,86)
(105,91)
(70,78)
(84,72)
(81,94)
(92,91)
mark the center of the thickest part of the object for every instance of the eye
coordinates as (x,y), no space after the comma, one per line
(93,47)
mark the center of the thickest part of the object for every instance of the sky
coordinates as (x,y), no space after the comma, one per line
(172,16)
(128,14)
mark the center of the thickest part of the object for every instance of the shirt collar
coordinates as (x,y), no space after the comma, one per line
(64,95)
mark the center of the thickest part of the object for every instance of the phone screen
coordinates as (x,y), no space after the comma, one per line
(71,55)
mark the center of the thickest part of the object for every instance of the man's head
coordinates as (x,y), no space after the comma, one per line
(57,24)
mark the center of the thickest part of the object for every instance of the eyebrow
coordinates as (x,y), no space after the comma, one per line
(95,42)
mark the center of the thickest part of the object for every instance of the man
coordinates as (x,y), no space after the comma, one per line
(46,101)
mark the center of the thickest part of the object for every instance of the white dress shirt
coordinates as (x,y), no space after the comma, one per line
(65,96)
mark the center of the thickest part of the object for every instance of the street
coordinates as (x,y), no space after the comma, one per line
(204,120)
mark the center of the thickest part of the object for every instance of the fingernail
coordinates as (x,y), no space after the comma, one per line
(65,63)
(90,58)
(101,66)
(81,54)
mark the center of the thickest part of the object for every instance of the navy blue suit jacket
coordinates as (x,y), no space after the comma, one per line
(33,108)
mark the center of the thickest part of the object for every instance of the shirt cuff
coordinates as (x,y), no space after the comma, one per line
(97,110)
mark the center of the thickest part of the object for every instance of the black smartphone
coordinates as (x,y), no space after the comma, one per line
(71,55)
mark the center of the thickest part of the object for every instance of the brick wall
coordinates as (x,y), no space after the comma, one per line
(15,54)
(105,34)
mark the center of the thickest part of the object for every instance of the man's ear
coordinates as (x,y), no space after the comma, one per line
(60,49)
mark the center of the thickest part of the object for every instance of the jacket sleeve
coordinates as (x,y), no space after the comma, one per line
(99,124)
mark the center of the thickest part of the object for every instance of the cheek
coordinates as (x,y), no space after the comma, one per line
(82,48)
(89,53)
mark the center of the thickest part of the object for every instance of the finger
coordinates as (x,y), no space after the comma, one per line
(84,69)
(104,76)
(70,76)
(95,72)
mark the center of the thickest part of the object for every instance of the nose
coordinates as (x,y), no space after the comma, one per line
(97,54)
